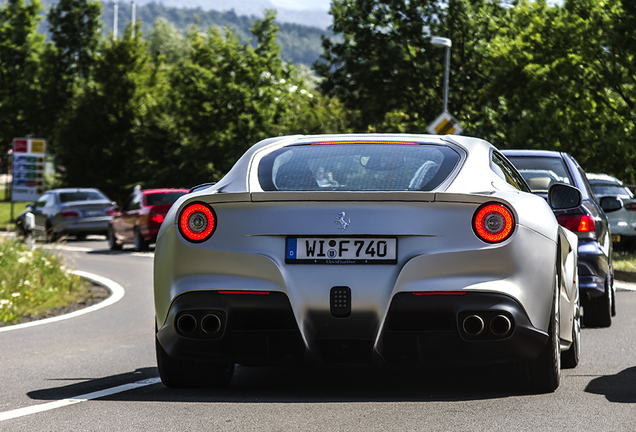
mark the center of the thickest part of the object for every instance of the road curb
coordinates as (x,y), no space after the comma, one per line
(116,294)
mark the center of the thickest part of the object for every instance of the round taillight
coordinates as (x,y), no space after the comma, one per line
(197,222)
(493,223)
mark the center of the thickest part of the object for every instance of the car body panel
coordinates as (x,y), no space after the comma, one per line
(442,269)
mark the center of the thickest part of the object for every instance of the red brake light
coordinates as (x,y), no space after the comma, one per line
(156,218)
(493,223)
(70,213)
(630,206)
(197,222)
(577,223)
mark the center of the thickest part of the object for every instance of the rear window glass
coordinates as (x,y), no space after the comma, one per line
(163,198)
(357,167)
(541,172)
(611,190)
(80,196)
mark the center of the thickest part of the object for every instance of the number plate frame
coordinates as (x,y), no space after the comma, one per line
(326,252)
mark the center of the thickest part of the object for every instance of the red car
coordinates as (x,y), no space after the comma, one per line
(139,220)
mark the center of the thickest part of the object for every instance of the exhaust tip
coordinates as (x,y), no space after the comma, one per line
(500,325)
(473,325)
(211,324)
(186,324)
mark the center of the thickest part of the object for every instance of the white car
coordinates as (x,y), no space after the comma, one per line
(619,205)
(417,249)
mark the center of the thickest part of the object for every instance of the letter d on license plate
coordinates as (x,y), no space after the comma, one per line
(341,250)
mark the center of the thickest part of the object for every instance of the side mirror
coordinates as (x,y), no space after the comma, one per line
(610,204)
(564,197)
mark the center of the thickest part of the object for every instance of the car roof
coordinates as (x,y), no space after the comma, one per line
(603,178)
(79,189)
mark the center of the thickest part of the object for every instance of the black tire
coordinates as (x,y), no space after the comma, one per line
(20,229)
(50,235)
(570,358)
(112,240)
(80,236)
(544,372)
(139,242)
(598,311)
(178,373)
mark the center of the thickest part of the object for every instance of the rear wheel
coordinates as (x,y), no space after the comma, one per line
(598,312)
(50,234)
(178,373)
(570,358)
(140,243)
(112,240)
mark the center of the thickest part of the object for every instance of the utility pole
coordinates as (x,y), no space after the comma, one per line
(116,3)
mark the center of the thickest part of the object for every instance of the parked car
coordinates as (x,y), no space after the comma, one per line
(418,249)
(619,205)
(139,220)
(588,221)
(74,211)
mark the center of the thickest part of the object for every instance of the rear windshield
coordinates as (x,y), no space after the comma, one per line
(357,167)
(611,190)
(541,172)
(163,198)
(81,196)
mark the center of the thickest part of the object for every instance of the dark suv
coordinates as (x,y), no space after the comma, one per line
(541,169)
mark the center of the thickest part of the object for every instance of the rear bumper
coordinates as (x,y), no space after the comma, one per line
(88,226)
(418,329)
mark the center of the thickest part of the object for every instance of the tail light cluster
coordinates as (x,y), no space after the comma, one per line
(577,223)
(493,222)
(197,222)
(630,206)
(70,213)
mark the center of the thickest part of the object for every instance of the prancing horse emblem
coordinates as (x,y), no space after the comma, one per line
(342,221)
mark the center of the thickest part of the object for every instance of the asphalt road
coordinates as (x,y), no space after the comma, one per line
(97,372)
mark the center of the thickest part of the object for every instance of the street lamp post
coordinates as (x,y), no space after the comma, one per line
(116,13)
(441,42)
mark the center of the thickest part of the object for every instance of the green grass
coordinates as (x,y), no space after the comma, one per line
(5,214)
(624,260)
(33,281)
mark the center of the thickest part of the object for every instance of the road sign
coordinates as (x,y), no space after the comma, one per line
(445,124)
(28,169)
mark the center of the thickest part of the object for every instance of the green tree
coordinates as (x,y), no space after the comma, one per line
(386,68)
(20,87)
(561,83)
(99,136)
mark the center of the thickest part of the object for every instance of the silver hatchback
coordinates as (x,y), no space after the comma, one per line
(619,205)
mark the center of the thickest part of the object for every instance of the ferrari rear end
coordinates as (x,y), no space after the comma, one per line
(387,261)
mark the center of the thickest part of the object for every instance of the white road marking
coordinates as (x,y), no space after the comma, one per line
(21,412)
(624,286)
(117,292)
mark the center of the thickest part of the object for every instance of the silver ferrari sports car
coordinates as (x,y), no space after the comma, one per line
(367,249)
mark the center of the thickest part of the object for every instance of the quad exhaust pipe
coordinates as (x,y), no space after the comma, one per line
(499,325)
(188,324)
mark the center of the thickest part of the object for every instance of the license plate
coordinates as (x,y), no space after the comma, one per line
(616,238)
(91,213)
(341,250)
